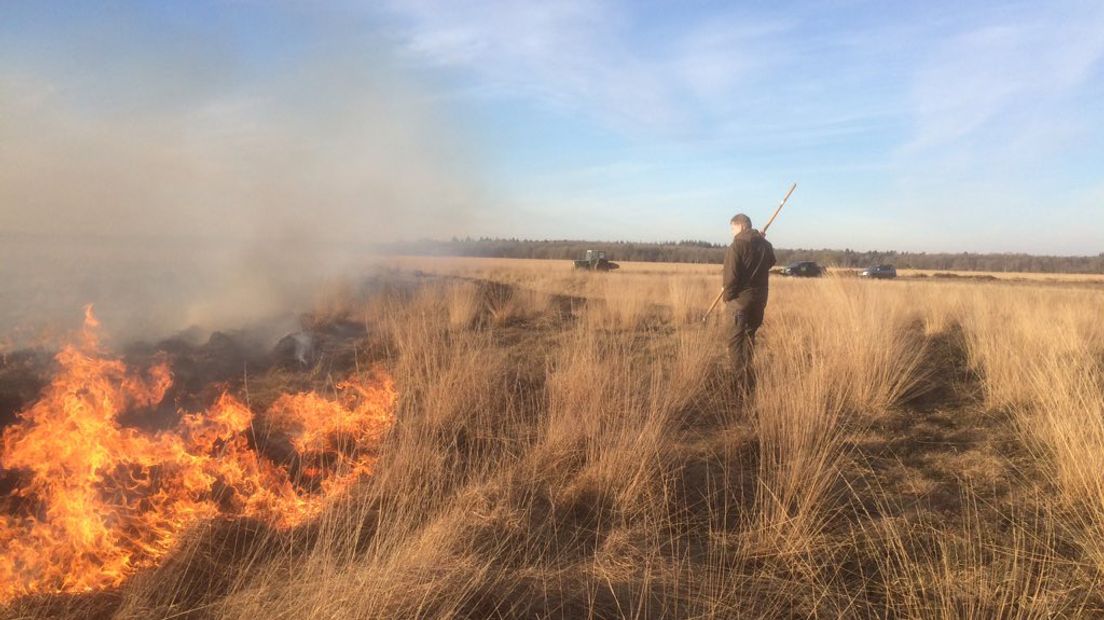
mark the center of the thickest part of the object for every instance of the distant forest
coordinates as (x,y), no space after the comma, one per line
(704,252)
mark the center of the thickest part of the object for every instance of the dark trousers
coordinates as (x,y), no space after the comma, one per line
(747,316)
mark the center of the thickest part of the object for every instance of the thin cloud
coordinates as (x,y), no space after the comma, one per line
(571,56)
(999,71)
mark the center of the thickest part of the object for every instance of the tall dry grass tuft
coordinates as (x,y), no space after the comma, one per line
(463,304)
(867,339)
(1050,372)
(616,402)
(518,305)
(836,355)
(689,296)
(622,302)
(972,571)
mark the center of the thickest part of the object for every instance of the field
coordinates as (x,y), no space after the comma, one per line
(570,445)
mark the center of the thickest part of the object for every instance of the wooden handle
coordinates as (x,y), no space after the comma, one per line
(780,205)
(713,305)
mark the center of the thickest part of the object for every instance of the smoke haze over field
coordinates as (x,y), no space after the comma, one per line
(202,182)
(326,147)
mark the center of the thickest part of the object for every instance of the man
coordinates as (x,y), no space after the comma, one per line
(746,269)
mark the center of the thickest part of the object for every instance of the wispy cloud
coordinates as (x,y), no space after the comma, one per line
(571,55)
(1003,71)
(586,58)
(742,78)
(716,58)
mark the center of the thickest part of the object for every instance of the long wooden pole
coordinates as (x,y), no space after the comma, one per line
(716,301)
(779,209)
(763,232)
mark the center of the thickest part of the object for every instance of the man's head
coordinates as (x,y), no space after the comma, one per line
(740,223)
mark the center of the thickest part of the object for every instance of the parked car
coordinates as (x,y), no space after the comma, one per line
(803,269)
(879,271)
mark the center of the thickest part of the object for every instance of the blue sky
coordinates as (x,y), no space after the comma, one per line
(938,126)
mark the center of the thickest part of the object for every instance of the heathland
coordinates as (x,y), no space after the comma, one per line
(569,445)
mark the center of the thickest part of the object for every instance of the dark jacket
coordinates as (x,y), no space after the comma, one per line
(747,265)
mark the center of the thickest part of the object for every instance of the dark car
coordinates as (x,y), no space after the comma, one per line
(803,269)
(879,271)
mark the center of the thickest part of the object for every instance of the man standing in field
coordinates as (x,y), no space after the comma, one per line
(747,266)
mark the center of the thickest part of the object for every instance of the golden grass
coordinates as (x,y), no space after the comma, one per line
(570,445)
(1094,278)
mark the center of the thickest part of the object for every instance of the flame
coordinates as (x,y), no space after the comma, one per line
(97,501)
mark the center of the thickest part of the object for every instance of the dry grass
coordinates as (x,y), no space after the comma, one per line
(1067,278)
(569,445)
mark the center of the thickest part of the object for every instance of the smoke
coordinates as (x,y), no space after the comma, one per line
(177,175)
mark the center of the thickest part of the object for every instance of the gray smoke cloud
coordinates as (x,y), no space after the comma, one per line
(174,183)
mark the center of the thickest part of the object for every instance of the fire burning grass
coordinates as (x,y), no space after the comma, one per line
(97,500)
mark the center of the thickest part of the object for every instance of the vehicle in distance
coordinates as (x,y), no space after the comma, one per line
(803,269)
(879,271)
(596,261)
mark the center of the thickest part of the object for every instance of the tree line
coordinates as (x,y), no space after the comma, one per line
(704,252)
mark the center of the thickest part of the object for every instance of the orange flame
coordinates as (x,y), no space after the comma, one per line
(105,500)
